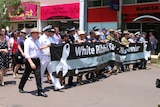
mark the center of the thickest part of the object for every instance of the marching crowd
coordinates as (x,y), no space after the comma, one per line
(33,51)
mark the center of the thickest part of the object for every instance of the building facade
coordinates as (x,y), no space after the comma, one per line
(39,13)
(135,15)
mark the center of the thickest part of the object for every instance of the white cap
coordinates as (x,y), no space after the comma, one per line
(23,30)
(137,33)
(97,33)
(47,28)
(118,31)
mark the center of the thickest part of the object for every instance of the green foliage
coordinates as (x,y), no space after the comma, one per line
(158,62)
(12,7)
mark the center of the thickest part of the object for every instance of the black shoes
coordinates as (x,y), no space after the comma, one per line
(41,94)
(38,94)
(21,91)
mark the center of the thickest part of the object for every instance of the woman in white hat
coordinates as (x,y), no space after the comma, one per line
(80,40)
(111,36)
(124,39)
(125,42)
(82,37)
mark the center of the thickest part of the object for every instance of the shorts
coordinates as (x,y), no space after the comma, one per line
(19,59)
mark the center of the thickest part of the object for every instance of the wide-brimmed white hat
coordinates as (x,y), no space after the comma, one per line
(111,30)
(34,30)
(23,30)
(126,32)
(81,32)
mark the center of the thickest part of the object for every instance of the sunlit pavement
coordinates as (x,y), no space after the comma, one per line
(128,89)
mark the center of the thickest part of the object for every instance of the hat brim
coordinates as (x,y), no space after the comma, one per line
(35,32)
(126,33)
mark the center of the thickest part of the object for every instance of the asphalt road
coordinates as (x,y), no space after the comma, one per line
(128,89)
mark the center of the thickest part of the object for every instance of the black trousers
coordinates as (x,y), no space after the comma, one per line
(28,71)
(13,61)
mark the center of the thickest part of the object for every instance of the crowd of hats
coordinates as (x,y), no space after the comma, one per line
(96,29)
(50,28)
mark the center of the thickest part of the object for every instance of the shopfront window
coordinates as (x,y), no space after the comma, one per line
(133,27)
(27,25)
(106,2)
(129,1)
(144,1)
(94,3)
(98,3)
(63,24)
(138,1)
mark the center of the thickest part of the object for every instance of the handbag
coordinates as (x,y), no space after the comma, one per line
(158,83)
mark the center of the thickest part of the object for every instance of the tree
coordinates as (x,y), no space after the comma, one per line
(12,7)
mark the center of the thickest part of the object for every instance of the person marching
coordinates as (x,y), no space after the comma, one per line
(4,58)
(46,57)
(31,51)
(19,56)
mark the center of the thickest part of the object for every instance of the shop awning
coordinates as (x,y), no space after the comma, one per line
(63,11)
(146,16)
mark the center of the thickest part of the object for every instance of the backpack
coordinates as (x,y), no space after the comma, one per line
(158,83)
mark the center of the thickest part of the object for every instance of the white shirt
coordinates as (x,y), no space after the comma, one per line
(142,39)
(44,40)
(31,48)
(131,40)
(103,36)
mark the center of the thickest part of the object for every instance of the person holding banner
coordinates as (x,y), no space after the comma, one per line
(125,42)
(111,36)
(45,57)
(133,40)
(56,36)
(92,36)
(31,51)
(71,39)
(90,75)
(124,39)
(80,40)
(119,65)
(103,34)
(137,36)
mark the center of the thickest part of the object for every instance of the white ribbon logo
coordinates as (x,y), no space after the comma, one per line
(63,61)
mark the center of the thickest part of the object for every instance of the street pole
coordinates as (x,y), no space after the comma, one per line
(119,14)
(83,15)
(39,24)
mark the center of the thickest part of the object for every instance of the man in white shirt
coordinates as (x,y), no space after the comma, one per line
(31,51)
(46,58)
